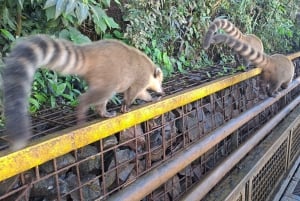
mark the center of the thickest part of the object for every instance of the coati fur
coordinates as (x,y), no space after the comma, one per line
(108,66)
(234,32)
(277,69)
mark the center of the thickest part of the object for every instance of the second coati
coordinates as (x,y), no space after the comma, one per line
(234,32)
(277,69)
(108,66)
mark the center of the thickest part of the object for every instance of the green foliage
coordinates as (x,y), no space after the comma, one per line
(177,27)
(76,12)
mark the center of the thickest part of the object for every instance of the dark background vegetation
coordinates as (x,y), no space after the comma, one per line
(169,31)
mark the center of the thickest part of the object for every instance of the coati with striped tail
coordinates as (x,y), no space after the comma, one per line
(234,32)
(108,66)
(277,69)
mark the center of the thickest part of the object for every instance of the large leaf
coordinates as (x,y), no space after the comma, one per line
(60,89)
(82,12)
(77,37)
(49,3)
(50,13)
(35,103)
(60,7)
(106,3)
(111,23)
(7,34)
(70,6)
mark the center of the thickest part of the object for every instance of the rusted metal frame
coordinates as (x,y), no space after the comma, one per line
(52,146)
(286,181)
(152,180)
(197,193)
(249,169)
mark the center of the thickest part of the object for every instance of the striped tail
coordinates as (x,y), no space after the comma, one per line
(256,57)
(18,75)
(224,24)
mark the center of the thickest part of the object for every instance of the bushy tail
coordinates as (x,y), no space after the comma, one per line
(18,75)
(224,24)
(254,56)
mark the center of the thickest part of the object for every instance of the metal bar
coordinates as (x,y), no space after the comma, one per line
(149,182)
(63,142)
(201,189)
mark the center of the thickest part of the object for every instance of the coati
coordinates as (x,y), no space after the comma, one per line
(108,66)
(277,69)
(234,32)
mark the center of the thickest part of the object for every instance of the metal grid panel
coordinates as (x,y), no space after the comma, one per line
(268,176)
(295,142)
(102,168)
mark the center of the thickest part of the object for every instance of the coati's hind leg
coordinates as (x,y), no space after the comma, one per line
(272,89)
(286,84)
(97,97)
(131,94)
(101,109)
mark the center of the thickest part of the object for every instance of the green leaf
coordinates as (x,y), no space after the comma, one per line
(40,97)
(82,12)
(60,7)
(106,3)
(50,13)
(65,34)
(49,3)
(60,89)
(77,37)
(118,2)
(165,58)
(101,25)
(7,34)
(35,103)
(68,97)
(70,6)
(97,12)
(111,23)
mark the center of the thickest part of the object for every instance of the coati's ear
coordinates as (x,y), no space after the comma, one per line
(157,72)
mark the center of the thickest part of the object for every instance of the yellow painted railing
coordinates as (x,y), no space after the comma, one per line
(50,147)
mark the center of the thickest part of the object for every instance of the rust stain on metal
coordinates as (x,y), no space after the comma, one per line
(65,141)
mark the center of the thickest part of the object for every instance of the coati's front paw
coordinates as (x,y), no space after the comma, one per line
(124,108)
(17,144)
(273,94)
(108,114)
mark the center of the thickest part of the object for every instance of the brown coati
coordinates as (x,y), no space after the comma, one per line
(277,69)
(108,66)
(234,32)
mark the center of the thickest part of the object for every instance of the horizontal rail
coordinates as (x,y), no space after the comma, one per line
(55,145)
(152,180)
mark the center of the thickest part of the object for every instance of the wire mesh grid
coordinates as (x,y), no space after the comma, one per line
(264,182)
(295,143)
(104,167)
